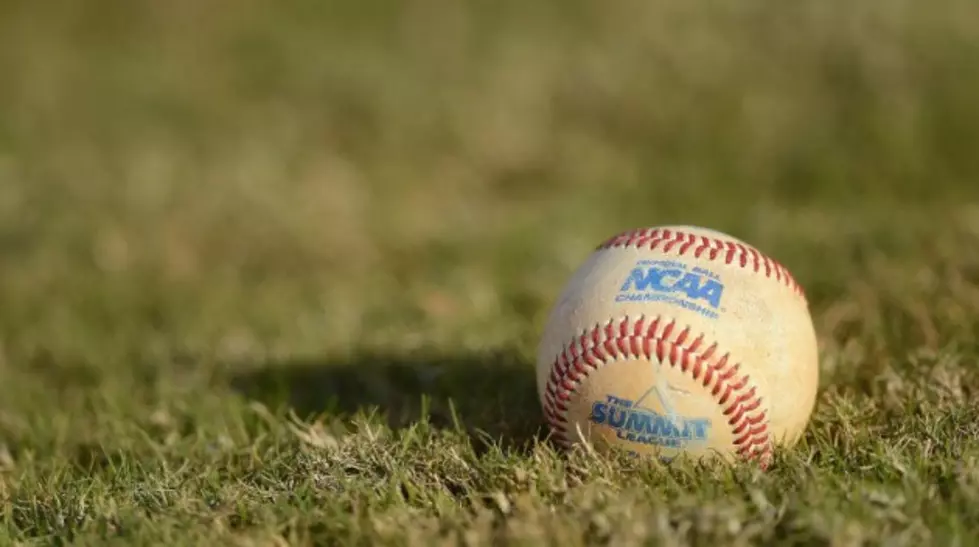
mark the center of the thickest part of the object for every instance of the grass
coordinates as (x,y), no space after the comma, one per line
(275,274)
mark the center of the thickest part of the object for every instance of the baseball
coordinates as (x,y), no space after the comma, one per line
(679,340)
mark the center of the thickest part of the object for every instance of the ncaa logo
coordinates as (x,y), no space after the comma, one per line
(697,289)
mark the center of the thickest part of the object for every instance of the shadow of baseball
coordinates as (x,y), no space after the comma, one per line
(491,395)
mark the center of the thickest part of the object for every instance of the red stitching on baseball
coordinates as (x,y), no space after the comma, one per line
(631,338)
(734,253)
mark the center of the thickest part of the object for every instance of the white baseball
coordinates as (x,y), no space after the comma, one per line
(679,339)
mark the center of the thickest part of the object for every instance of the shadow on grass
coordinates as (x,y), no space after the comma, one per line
(493,394)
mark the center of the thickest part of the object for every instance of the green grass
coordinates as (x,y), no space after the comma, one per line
(275,275)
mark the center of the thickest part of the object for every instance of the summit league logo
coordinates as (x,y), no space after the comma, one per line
(635,423)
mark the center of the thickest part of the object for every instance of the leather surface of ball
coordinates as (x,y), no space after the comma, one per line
(679,339)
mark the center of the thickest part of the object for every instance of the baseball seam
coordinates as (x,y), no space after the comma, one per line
(731,252)
(644,338)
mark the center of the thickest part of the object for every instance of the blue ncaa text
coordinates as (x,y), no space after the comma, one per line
(696,289)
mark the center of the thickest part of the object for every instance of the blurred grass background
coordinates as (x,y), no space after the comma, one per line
(317,144)
(187,184)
